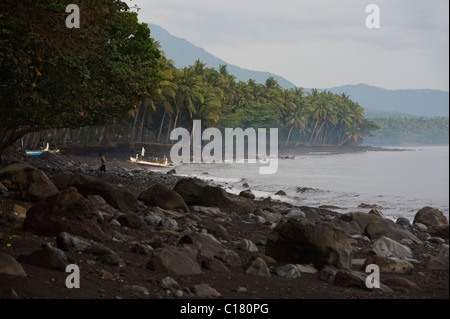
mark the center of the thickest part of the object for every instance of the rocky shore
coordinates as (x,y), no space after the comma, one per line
(135,234)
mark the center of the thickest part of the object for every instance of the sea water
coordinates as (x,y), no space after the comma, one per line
(398,183)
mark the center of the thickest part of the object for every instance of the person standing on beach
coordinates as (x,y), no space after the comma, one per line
(103,166)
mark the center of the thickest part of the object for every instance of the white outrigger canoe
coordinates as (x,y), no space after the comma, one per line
(136,160)
(41,151)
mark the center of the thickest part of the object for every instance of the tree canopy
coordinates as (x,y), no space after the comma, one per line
(56,77)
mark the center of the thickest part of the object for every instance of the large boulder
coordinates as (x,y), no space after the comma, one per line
(374,226)
(31,182)
(196,192)
(67,211)
(431,217)
(387,247)
(164,197)
(190,189)
(307,241)
(174,261)
(116,196)
(213,196)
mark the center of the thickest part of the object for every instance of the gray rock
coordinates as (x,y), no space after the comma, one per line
(170,283)
(247,194)
(310,241)
(288,271)
(174,261)
(113,260)
(387,247)
(258,267)
(208,246)
(230,258)
(295,213)
(9,266)
(328,273)
(247,245)
(143,249)
(132,221)
(69,242)
(152,220)
(403,221)
(169,223)
(48,257)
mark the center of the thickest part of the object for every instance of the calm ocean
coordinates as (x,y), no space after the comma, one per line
(399,182)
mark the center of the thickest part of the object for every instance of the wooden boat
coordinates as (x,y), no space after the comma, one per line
(136,160)
(41,151)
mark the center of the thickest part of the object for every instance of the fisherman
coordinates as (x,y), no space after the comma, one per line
(142,153)
(103,166)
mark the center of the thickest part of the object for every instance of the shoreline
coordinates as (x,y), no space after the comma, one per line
(104,279)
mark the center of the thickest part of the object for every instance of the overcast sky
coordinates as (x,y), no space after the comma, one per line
(317,43)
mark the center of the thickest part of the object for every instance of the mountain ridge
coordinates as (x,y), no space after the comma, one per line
(417,102)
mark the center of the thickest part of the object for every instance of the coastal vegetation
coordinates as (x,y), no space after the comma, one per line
(109,81)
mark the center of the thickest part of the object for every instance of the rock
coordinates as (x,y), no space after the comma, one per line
(288,271)
(328,273)
(400,282)
(281,193)
(439,262)
(174,261)
(164,197)
(271,217)
(116,196)
(430,217)
(137,289)
(112,259)
(374,226)
(132,221)
(295,213)
(217,197)
(143,249)
(258,267)
(152,220)
(190,189)
(9,266)
(230,257)
(307,269)
(247,245)
(48,257)
(214,228)
(215,264)
(170,283)
(247,194)
(171,172)
(108,211)
(351,279)
(206,244)
(439,231)
(32,183)
(267,259)
(403,221)
(206,291)
(390,248)
(69,242)
(388,265)
(169,224)
(436,240)
(3,189)
(67,211)
(444,251)
(310,241)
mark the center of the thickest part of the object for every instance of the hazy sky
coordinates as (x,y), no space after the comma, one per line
(317,43)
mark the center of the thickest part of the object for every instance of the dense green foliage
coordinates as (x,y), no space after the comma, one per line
(410,130)
(56,77)
(108,81)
